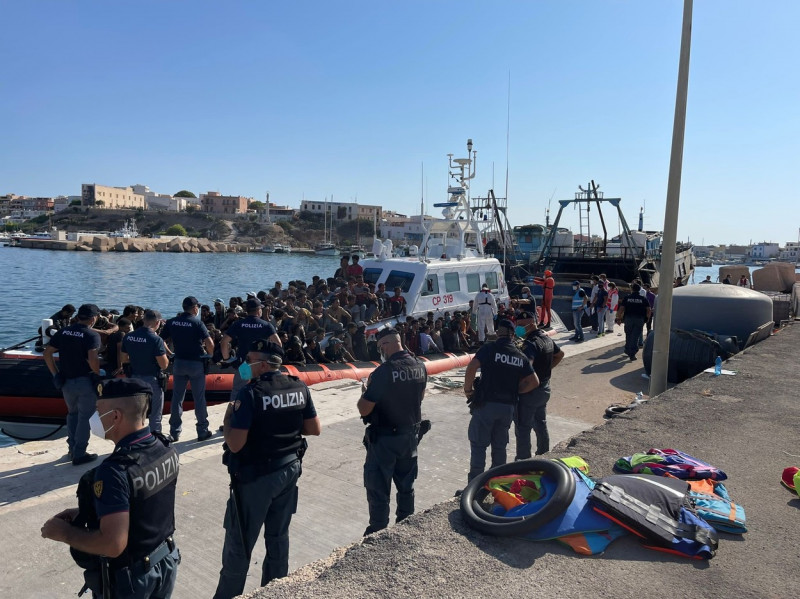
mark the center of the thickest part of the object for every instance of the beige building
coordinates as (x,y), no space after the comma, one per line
(343,211)
(214,203)
(93,194)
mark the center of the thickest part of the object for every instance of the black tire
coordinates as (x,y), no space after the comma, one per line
(489,524)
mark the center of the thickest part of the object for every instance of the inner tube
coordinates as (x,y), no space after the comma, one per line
(478,518)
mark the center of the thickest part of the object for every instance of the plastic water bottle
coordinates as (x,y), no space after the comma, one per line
(639,397)
(718,366)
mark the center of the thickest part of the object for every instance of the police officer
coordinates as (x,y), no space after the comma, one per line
(126,505)
(77,346)
(391,405)
(263,431)
(191,341)
(634,310)
(147,356)
(505,373)
(544,355)
(485,306)
(243,333)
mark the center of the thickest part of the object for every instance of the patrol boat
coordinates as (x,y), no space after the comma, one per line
(451,266)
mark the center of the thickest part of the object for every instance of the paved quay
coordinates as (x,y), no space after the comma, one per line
(37,481)
(746,424)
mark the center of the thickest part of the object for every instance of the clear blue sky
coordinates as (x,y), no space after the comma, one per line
(351,98)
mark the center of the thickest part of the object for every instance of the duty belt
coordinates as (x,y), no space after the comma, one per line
(148,561)
(396,430)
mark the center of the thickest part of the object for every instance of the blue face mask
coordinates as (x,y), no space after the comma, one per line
(520,331)
(245,371)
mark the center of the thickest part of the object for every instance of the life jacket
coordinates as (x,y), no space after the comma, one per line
(668,461)
(658,510)
(714,505)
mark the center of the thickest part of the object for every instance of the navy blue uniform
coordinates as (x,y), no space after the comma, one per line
(145,488)
(635,306)
(531,413)
(187,333)
(243,333)
(142,347)
(503,366)
(74,344)
(396,388)
(264,472)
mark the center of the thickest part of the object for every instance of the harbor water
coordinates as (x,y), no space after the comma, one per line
(36,283)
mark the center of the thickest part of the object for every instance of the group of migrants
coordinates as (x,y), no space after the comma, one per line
(122,532)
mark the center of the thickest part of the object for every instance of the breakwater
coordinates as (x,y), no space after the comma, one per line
(101,243)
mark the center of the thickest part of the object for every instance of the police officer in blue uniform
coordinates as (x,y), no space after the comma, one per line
(126,506)
(544,354)
(634,311)
(78,361)
(147,356)
(505,373)
(263,430)
(192,344)
(243,333)
(391,405)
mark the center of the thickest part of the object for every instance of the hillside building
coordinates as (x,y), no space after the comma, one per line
(103,196)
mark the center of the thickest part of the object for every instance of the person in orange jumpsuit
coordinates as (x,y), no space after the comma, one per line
(549,283)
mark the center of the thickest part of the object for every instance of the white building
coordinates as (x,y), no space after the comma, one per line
(62,202)
(159,201)
(398,227)
(764,251)
(791,253)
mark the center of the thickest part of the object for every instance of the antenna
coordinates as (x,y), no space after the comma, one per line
(508,128)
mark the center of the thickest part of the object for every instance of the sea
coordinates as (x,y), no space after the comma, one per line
(37,283)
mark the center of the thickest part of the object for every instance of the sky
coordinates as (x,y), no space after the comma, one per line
(364,100)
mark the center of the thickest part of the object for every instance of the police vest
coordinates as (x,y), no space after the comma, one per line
(278,404)
(538,347)
(577,299)
(152,476)
(501,373)
(404,378)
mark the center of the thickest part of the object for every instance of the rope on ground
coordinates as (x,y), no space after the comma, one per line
(444,382)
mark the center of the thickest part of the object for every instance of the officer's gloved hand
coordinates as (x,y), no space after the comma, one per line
(229,362)
(58,380)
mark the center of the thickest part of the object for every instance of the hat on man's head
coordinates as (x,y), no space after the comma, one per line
(578,283)
(190,302)
(219,301)
(273,350)
(547,273)
(88,311)
(152,314)
(385,332)
(252,304)
(251,294)
(505,323)
(116,388)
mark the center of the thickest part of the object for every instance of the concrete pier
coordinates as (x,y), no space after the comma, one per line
(744,424)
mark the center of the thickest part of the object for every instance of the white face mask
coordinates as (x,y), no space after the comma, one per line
(96,425)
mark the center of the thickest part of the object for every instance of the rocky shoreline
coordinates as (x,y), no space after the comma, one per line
(100,243)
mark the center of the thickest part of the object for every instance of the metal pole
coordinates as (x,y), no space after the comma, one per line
(658,375)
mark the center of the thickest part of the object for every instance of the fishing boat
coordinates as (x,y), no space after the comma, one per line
(622,258)
(282,249)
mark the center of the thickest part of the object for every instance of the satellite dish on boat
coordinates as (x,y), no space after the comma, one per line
(462,161)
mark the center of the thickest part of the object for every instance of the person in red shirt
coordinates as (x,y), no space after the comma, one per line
(549,283)
(355,269)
